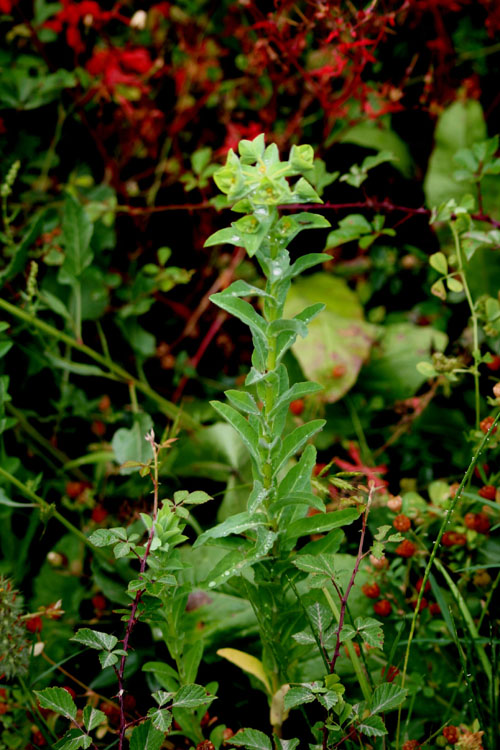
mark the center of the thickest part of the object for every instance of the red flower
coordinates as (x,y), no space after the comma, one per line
(99,514)
(434,609)
(370,472)
(392,672)
(34,624)
(486,424)
(495,363)
(451,734)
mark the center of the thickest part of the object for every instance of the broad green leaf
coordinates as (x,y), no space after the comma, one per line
(298,390)
(73,740)
(240,309)
(297,696)
(338,341)
(192,696)
(351,228)
(146,737)
(95,639)
(240,424)
(296,439)
(308,261)
(197,498)
(257,496)
(92,717)
(107,659)
(368,628)
(320,523)
(165,674)
(386,697)
(76,233)
(285,744)
(454,285)
(439,262)
(233,525)
(373,726)
(298,478)
(299,498)
(252,739)
(58,700)
(377,134)
(248,663)
(320,616)
(322,564)
(328,699)
(161,718)
(392,370)
(131,445)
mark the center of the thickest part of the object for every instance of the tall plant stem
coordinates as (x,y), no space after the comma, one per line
(432,558)
(475,327)
(165,406)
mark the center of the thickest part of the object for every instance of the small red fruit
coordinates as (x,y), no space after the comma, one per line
(371,590)
(481,523)
(73,489)
(453,539)
(494,364)
(38,739)
(488,492)
(356,649)
(382,608)
(434,609)
(338,371)
(129,702)
(419,583)
(34,624)
(423,604)
(486,423)
(470,520)
(402,523)
(104,403)
(451,734)
(98,428)
(99,602)
(99,514)
(405,549)
(297,407)
(70,691)
(411,745)
(227,734)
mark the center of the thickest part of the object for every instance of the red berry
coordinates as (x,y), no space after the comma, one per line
(392,672)
(402,523)
(38,739)
(99,514)
(129,702)
(470,520)
(99,602)
(34,624)
(486,423)
(434,609)
(70,691)
(356,649)
(411,745)
(481,523)
(371,590)
(227,734)
(338,371)
(104,403)
(73,489)
(451,734)
(382,608)
(297,407)
(205,745)
(98,427)
(423,604)
(453,539)
(405,549)
(488,492)
(419,583)
(486,470)
(495,363)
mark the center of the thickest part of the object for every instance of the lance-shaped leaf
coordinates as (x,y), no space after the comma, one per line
(287,325)
(240,424)
(320,523)
(244,401)
(233,525)
(298,390)
(242,288)
(299,498)
(76,232)
(247,663)
(294,442)
(240,309)
(308,261)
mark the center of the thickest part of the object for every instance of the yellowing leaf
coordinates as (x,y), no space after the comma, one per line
(247,663)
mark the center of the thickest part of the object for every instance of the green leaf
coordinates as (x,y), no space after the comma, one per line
(95,639)
(247,663)
(297,696)
(107,659)
(377,134)
(192,696)
(298,478)
(351,228)
(454,285)
(320,523)
(161,718)
(308,261)
(252,739)
(232,525)
(201,159)
(146,737)
(131,445)
(240,424)
(338,339)
(386,697)
(73,740)
(322,564)
(76,233)
(92,717)
(296,439)
(368,628)
(243,401)
(373,726)
(240,309)
(298,390)
(299,498)
(439,262)
(285,744)
(58,700)
(197,498)
(242,288)
(104,537)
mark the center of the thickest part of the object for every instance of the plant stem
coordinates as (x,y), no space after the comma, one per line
(163,404)
(475,328)
(432,558)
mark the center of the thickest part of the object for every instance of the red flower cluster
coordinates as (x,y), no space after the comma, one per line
(121,67)
(71,15)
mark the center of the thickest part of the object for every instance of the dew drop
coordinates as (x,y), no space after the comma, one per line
(211,584)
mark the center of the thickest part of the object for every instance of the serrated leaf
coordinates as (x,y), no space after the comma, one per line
(95,639)
(373,726)
(146,737)
(161,718)
(297,696)
(323,564)
(320,616)
(329,699)
(58,700)
(107,659)
(252,739)
(247,663)
(192,696)
(76,233)
(73,740)
(240,424)
(285,744)
(386,697)
(92,717)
